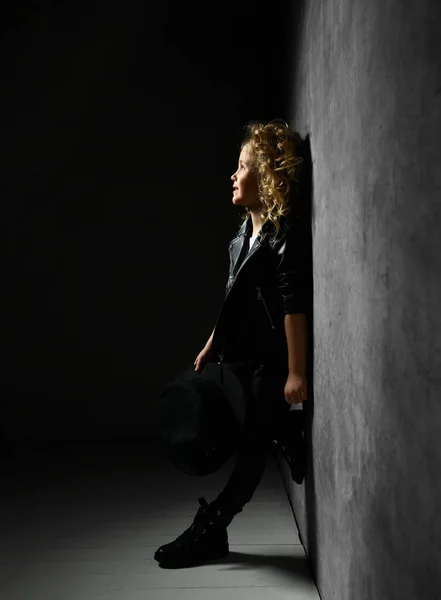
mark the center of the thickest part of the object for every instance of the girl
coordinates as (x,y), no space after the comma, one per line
(261,327)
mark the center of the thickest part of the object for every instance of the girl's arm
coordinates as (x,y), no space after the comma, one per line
(296,337)
(210,340)
(294,271)
(294,281)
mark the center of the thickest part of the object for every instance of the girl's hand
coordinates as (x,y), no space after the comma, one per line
(295,389)
(202,358)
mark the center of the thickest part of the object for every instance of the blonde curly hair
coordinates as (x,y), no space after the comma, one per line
(276,164)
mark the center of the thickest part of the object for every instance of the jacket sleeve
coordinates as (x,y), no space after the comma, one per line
(294,270)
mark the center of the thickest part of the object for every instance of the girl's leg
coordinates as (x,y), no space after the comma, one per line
(266,407)
(207,537)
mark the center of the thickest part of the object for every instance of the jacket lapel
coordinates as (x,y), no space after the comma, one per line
(254,248)
(237,247)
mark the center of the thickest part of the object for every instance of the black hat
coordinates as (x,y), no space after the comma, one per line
(200,414)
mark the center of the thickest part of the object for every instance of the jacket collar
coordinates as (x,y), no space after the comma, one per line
(247,227)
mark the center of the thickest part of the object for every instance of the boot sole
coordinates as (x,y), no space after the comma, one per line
(185,562)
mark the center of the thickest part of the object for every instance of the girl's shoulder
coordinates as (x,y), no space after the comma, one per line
(287,225)
(291,234)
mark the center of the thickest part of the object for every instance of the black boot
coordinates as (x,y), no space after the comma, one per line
(206,539)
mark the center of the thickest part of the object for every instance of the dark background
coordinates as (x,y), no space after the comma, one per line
(121,123)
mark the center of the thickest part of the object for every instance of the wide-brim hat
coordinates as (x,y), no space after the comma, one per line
(200,415)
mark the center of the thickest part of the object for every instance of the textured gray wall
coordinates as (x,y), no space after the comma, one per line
(366,83)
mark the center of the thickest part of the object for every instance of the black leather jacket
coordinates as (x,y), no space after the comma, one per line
(272,280)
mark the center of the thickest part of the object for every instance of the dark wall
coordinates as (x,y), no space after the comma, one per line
(366,89)
(120,127)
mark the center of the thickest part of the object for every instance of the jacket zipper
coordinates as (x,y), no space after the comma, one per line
(262,299)
(247,257)
(221,354)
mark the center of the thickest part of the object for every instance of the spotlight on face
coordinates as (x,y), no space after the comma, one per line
(245,182)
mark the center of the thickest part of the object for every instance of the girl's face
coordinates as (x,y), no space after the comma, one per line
(245,183)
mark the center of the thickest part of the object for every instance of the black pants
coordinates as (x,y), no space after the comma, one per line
(266,407)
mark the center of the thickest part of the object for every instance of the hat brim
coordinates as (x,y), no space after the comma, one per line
(228,383)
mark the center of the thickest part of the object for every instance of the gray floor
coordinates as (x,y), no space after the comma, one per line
(83,522)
